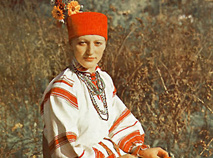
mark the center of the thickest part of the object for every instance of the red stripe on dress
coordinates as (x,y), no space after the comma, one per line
(114,92)
(124,114)
(61,140)
(124,129)
(116,147)
(63,81)
(98,154)
(109,151)
(129,141)
(67,78)
(62,93)
(82,154)
(47,96)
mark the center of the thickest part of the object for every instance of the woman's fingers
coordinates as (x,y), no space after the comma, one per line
(162,153)
(128,156)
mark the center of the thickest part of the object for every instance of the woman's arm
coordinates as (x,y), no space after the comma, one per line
(153,153)
(127,132)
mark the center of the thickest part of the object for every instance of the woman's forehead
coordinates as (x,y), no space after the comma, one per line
(91,37)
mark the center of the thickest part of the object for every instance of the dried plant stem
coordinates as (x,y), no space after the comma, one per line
(167,71)
(205,148)
(162,79)
(133,74)
(124,41)
(205,105)
(122,46)
(200,51)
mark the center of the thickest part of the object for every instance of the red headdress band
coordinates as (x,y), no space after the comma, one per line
(87,23)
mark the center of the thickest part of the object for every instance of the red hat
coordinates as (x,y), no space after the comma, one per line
(87,23)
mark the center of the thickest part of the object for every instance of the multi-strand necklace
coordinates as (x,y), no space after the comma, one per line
(93,90)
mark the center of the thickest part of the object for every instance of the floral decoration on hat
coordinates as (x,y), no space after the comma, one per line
(64,8)
(73,7)
(57,13)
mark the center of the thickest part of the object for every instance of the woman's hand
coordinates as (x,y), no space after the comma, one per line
(154,153)
(128,156)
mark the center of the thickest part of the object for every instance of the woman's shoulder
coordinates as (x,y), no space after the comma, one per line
(61,87)
(66,80)
(105,75)
(107,78)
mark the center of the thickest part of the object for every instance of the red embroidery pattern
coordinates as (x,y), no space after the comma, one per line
(98,154)
(64,77)
(110,153)
(124,129)
(129,141)
(62,93)
(65,82)
(116,147)
(124,114)
(62,139)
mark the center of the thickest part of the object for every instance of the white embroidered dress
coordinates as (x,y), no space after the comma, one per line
(73,128)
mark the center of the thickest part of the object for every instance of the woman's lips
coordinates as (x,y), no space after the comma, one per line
(89,58)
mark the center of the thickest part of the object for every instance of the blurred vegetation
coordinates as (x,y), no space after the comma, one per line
(159,55)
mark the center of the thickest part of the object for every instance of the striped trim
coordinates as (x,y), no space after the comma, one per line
(62,93)
(129,141)
(124,114)
(136,151)
(124,129)
(62,139)
(65,82)
(98,154)
(67,78)
(110,153)
(116,147)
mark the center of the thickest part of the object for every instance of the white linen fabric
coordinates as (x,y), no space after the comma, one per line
(72,126)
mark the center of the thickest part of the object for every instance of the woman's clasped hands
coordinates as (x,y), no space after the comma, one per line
(149,153)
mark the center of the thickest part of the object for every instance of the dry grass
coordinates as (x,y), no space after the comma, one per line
(162,70)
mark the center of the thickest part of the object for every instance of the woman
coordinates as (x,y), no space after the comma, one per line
(82,114)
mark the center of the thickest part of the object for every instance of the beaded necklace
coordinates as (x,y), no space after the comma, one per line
(93,90)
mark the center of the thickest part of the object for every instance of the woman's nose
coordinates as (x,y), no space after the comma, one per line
(90,49)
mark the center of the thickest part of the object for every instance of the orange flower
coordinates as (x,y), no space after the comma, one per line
(73,7)
(57,13)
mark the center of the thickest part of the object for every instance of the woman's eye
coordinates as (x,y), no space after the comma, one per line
(98,43)
(82,43)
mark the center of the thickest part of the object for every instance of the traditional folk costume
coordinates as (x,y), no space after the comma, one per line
(79,123)
(82,114)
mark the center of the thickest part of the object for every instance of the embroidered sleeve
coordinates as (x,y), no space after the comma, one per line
(61,88)
(126,130)
(60,110)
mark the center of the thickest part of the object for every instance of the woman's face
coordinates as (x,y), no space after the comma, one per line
(88,50)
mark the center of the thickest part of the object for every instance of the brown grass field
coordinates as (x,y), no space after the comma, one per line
(161,65)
